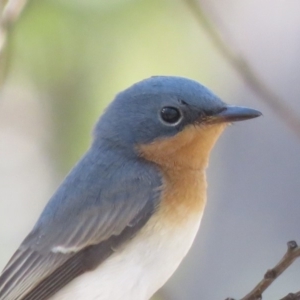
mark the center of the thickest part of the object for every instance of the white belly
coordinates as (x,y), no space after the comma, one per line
(140,268)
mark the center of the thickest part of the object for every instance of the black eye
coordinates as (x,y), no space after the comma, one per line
(170,115)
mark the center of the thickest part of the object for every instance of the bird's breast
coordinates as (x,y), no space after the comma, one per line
(146,262)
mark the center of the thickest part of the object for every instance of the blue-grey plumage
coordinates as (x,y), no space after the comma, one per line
(133,117)
(144,173)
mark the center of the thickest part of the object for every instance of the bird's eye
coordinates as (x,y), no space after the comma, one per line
(171,115)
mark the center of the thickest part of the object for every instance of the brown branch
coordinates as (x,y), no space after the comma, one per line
(293,252)
(292,296)
(241,65)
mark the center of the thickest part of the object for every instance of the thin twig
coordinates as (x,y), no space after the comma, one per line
(292,296)
(10,11)
(9,14)
(293,252)
(241,65)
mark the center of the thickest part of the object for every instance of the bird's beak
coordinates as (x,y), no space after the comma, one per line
(233,114)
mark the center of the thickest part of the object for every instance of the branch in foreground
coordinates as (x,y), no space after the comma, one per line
(241,65)
(293,252)
(292,296)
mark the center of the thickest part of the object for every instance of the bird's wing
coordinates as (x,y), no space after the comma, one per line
(58,250)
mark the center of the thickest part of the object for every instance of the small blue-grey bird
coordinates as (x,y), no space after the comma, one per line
(127,214)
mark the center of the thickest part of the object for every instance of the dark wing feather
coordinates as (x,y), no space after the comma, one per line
(81,262)
(25,270)
(71,238)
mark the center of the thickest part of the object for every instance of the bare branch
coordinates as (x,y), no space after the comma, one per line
(9,13)
(293,252)
(292,296)
(241,65)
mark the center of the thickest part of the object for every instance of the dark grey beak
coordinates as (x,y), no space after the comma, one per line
(235,113)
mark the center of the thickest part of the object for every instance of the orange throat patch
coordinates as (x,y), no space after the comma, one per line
(183,160)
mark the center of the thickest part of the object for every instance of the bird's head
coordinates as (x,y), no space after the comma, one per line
(172,121)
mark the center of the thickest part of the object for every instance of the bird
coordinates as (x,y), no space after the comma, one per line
(126,215)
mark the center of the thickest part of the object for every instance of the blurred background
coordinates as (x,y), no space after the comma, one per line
(64,62)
